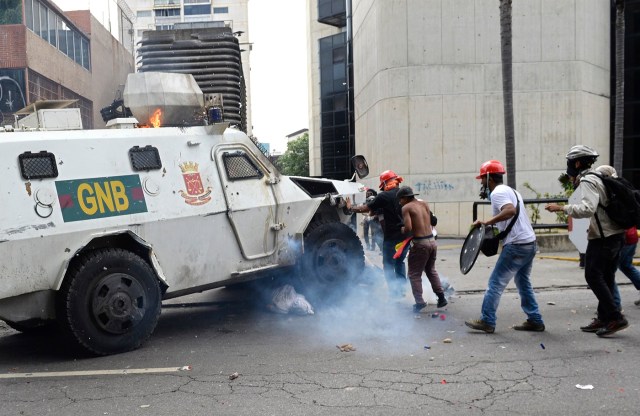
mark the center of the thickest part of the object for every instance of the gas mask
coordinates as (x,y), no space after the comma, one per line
(485,192)
(571,169)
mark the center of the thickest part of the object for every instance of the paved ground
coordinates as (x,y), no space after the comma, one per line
(550,270)
(402,365)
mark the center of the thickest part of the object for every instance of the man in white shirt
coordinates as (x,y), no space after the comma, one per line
(518,250)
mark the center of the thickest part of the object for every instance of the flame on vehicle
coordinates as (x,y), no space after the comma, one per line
(156,119)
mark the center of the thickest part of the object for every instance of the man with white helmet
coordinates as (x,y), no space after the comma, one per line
(605,239)
(386,201)
(518,250)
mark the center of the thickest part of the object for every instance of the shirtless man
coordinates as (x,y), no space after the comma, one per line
(422,257)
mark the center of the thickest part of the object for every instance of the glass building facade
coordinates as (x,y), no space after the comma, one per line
(337,139)
(631,152)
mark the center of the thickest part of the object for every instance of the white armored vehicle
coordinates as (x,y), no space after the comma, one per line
(99,226)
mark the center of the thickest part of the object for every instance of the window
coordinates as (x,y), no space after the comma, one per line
(167,12)
(145,158)
(220,10)
(77,48)
(239,166)
(144,13)
(38,165)
(62,28)
(28,14)
(197,9)
(52,29)
(86,61)
(44,23)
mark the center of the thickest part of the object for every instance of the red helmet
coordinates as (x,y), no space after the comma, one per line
(385,176)
(491,166)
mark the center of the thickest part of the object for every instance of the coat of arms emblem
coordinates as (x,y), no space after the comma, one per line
(196,194)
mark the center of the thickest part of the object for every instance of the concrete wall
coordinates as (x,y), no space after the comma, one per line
(428,92)
(111,62)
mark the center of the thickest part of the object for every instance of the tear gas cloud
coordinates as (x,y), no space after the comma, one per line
(359,311)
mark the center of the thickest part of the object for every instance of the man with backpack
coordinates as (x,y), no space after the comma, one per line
(605,239)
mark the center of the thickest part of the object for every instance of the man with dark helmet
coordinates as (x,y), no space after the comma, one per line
(518,250)
(386,201)
(605,239)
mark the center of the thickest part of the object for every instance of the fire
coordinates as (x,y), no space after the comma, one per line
(155,119)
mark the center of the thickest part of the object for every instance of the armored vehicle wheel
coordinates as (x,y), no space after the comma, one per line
(333,255)
(109,302)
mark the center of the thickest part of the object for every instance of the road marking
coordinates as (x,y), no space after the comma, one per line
(124,371)
(558,258)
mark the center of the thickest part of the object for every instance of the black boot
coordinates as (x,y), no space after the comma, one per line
(442,301)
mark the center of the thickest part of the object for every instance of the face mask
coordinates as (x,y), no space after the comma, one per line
(485,193)
(571,169)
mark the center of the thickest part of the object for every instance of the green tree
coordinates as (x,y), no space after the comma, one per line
(295,161)
(10,12)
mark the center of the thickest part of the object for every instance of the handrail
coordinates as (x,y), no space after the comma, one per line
(527,201)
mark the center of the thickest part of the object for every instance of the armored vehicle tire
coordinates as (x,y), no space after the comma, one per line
(333,256)
(109,302)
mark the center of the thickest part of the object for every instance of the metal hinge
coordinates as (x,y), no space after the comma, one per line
(277,227)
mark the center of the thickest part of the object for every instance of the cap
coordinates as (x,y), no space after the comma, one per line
(405,191)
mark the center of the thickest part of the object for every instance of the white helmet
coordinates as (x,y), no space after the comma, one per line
(579,151)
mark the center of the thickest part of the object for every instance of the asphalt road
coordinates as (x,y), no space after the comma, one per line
(290,365)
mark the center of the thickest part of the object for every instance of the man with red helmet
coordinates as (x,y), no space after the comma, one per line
(518,250)
(386,201)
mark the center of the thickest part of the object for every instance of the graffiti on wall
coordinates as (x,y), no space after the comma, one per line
(432,185)
(12,96)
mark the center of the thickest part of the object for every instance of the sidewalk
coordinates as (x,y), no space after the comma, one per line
(550,270)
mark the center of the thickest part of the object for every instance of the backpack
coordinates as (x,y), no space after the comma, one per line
(624,201)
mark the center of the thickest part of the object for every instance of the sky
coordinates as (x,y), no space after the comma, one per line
(279,90)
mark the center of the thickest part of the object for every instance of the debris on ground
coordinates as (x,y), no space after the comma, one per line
(449,291)
(346,347)
(435,315)
(584,387)
(551,303)
(447,341)
(426,347)
(443,317)
(542,345)
(285,299)
(234,376)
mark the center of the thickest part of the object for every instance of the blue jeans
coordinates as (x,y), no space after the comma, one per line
(394,269)
(625,264)
(515,261)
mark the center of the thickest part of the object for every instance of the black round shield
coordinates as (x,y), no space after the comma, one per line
(471,249)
